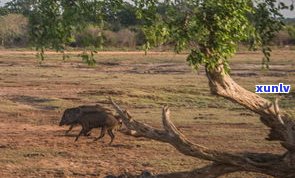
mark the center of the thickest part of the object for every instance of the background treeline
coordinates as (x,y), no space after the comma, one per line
(119,31)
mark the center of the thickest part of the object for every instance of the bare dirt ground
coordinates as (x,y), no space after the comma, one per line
(33,96)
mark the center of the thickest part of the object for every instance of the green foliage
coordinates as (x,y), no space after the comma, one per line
(20,6)
(53,23)
(88,57)
(3,11)
(291,31)
(211,29)
(40,55)
(125,17)
(156,32)
(267,21)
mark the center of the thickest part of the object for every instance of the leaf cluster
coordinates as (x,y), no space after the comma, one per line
(211,29)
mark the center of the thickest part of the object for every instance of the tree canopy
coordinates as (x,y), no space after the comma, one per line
(211,30)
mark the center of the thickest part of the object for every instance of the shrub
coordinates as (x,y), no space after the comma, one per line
(13,30)
(90,36)
(126,38)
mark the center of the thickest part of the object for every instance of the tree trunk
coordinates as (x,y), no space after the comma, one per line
(282,125)
(282,128)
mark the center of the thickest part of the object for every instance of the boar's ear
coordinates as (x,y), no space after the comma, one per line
(77,110)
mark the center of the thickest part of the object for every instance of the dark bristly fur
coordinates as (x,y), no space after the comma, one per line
(104,120)
(89,117)
(71,115)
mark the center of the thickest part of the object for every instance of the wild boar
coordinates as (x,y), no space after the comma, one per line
(104,120)
(71,115)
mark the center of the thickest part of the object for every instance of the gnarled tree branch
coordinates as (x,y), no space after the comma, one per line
(270,164)
(281,124)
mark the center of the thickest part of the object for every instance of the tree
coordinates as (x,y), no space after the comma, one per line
(124,17)
(212,31)
(3,11)
(291,31)
(20,6)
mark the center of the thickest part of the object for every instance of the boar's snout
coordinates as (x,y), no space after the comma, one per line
(61,123)
(63,120)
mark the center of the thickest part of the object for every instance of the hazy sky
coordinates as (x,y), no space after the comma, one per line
(286,13)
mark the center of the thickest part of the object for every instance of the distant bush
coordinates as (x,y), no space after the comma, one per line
(13,30)
(122,38)
(117,33)
(282,39)
(126,38)
(90,36)
(110,38)
(291,31)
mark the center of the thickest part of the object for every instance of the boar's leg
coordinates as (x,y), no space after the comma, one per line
(71,127)
(82,131)
(102,133)
(111,134)
(87,134)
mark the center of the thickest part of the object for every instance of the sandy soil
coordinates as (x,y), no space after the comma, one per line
(33,98)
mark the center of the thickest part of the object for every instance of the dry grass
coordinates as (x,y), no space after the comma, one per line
(33,97)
